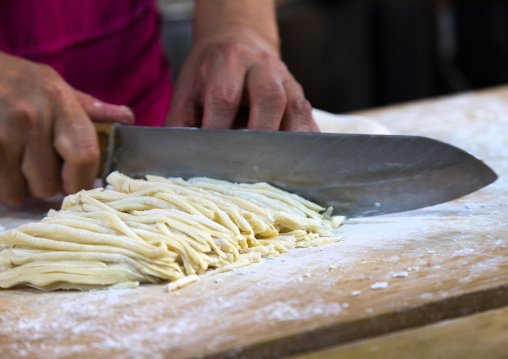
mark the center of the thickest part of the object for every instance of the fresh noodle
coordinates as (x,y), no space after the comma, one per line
(158,229)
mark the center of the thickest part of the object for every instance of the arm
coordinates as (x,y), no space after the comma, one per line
(47,141)
(235,60)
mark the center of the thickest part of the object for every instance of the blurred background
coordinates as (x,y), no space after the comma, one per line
(356,54)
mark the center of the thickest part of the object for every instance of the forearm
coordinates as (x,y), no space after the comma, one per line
(216,16)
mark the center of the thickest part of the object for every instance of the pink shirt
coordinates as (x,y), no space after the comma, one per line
(108,48)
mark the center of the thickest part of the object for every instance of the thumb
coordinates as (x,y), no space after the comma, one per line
(100,111)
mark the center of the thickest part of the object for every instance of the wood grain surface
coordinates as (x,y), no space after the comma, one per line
(483,335)
(455,256)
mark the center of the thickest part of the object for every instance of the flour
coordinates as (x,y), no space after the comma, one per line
(286,311)
(403,274)
(379,285)
(473,205)
(243,271)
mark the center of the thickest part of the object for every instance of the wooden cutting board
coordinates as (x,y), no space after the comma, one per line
(440,262)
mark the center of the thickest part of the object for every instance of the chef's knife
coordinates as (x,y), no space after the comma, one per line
(359,175)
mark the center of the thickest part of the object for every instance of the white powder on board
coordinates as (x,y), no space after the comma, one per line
(379,285)
(403,274)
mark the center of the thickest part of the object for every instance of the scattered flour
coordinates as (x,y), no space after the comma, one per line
(379,285)
(403,274)
(244,270)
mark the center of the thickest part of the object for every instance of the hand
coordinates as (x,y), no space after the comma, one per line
(48,143)
(233,66)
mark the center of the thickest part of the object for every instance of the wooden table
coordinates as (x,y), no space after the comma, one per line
(483,335)
(455,256)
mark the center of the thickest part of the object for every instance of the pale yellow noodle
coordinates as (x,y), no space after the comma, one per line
(158,229)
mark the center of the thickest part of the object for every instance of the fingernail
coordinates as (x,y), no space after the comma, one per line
(127,109)
(129,115)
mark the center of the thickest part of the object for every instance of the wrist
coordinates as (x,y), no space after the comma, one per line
(230,20)
(237,31)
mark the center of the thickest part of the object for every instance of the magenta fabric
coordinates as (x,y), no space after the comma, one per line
(108,48)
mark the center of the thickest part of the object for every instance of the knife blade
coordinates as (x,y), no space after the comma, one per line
(359,175)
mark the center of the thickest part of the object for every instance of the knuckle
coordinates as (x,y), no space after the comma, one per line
(231,48)
(299,116)
(84,154)
(24,114)
(77,150)
(228,47)
(229,52)
(295,86)
(76,141)
(273,62)
(53,83)
(56,88)
(300,106)
(224,96)
(273,94)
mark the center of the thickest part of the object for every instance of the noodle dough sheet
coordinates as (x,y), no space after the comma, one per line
(388,273)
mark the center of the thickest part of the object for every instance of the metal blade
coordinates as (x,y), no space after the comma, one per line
(359,175)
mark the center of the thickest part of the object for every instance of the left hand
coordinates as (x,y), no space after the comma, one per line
(232,67)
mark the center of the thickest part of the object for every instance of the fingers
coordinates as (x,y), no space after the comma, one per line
(47,140)
(298,114)
(41,165)
(213,83)
(100,111)
(223,93)
(13,186)
(13,189)
(185,109)
(267,98)
(76,142)
(208,95)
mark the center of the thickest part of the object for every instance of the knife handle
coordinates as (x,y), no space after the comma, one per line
(106,136)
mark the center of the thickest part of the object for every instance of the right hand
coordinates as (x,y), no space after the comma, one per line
(48,143)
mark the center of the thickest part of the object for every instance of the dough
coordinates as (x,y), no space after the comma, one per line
(158,229)
(329,122)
